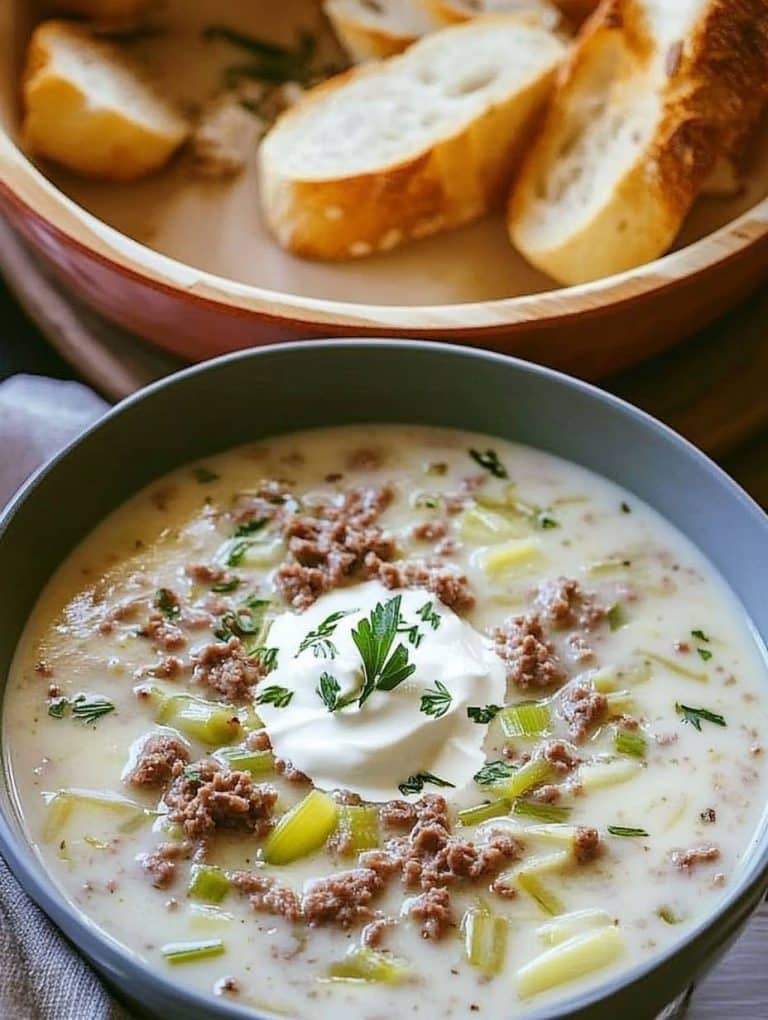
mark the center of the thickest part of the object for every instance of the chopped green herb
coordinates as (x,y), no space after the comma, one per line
(246,622)
(270,61)
(622,830)
(416,783)
(224,587)
(267,657)
(704,653)
(626,508)
(329,690)
(668,916)
(204,475)
(250,527)
(280,697)
(427,501)
(428,615)
(616,616)
(490,461)
(437,468)
(694,716)
(373,638)
(192,773)
(86,708)
(437,702)
(700,636)
(167,603)
(494,772)
(237,552)
(483,715)
(319,640)
(546,521)
(412,630)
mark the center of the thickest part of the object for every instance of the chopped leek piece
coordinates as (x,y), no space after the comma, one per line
(303,829)
(242,760)
(484,812)
(675,667)
(97,844)
(485,939)
(208,884)
(207,721)
(618,702)
(542,812)
(630,742)
(191,952)
(203,917)
(480,526)
(597,775)
(61,803)
(533,773)
(370,965)
(565,927)
(510,556)
(533,885)
(571,959)
(617,616)
(612,565)
(249,718)
(359,825)
(528,720)
(604,681)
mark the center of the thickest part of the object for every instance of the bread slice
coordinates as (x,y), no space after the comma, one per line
(449,11)
(87,107)
(373,29)
(651,97)
(404,148)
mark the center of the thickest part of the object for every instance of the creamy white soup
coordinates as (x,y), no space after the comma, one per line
(382,721)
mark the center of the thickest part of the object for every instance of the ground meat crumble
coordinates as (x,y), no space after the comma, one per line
(157,757)
(226,668)
(686,860)
(450,586)
(204,797)
(562,604)
(582,707)
(160,864)
(530,658)
(434,912)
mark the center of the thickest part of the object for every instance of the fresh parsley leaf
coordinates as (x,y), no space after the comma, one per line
(319,640)
(493,772)
(280,697)
(224,587)
(237,552)
(694,716)
(416,783)
(490,461)
(414,634)
(622,830)
(436,703)
(245,622)
(701,636)
(204,475)
(329,690)
(268,658)
(373,638)
(704,653)
(167,603)
(483,715)
(428,615)
(87,708)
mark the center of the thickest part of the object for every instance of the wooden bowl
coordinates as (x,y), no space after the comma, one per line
(190,266)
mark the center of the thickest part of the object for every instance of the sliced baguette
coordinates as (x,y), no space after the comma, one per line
(409,146)
(87,107)
(450,11)
(652,96)
(373,29)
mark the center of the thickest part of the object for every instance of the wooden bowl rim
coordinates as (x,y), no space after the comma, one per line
(25,187)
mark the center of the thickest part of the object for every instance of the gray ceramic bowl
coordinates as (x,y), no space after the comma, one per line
(261,393)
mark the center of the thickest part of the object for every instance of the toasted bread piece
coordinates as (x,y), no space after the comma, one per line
(102,10)
(87,107)
(373,29)
(404,148)
(449,11)
(577,10)
(651,97)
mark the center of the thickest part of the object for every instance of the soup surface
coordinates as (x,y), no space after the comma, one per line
(384,721)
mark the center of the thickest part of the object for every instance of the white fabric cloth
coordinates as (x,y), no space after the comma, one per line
(42,977)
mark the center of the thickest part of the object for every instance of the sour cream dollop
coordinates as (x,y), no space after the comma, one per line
(375,747)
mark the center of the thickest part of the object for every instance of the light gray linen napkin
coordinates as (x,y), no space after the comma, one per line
(42,977)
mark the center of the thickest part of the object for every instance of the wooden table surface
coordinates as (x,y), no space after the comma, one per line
(712,389)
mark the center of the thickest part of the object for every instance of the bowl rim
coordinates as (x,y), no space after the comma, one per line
(26,190)
(721,925)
